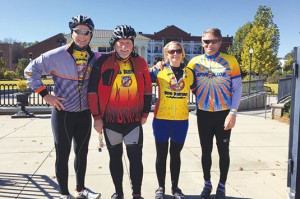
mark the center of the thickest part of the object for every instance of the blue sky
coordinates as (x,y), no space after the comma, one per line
(36,20)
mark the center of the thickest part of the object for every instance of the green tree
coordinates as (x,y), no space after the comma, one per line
(23,62)
(238,41)
(288,65)
(2,68)
(2,63)
(263,38)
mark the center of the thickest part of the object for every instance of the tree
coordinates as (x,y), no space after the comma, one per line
(288,65)
(23,62)
(9,40)
(2,63)
(28,44)
(238,41)
(2,68)
(263,38)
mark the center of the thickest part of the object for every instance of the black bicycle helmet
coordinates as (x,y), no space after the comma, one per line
(81,20)
(122,32)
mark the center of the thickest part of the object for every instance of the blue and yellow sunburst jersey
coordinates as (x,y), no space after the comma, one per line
(218,82)
(174,93)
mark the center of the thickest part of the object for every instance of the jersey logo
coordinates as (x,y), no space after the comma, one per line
(176,86)
(126,81)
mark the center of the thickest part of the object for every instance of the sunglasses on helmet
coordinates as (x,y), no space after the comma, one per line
(82,32)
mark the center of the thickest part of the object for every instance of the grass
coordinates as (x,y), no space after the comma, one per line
(274,87)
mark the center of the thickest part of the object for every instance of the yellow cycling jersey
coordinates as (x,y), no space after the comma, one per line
(174,94)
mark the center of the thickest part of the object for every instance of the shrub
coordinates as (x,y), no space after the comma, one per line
(274,78)
(2,73)
(287,109)
(22,86)
(10,75)
(247,77)
(23,62)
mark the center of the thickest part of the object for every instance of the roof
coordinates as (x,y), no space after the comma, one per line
(108,34)
(175,32)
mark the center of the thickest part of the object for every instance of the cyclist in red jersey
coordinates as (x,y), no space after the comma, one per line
(120,93)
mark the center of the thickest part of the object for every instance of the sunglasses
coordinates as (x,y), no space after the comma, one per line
(213,41)
(82,32)
(178,51)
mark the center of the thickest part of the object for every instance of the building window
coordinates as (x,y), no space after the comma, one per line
(104,49)
(1,54)
(60,42)
(197,49)
(158,48)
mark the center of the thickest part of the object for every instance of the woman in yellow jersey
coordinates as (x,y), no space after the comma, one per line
(171,114)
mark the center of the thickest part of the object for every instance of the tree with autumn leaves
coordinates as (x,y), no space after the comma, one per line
(262,35)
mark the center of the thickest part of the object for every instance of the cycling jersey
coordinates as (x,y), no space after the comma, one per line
(62,66)
(218,80)
(124,92)
(174,93)
(101,87)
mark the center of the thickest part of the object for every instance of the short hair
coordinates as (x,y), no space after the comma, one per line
(214,31)
(173,43)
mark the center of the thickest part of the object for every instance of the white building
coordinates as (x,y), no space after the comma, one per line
(150,46)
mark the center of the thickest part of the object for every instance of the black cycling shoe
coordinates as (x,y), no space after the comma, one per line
(177,193)
(117,196)
(160,193)
(205,194)
(220,194)
(137,196)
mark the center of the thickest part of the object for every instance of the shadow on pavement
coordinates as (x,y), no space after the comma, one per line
(25,186)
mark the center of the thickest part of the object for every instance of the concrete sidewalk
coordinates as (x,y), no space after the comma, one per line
(259,153)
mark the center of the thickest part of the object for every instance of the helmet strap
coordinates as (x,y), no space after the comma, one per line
(76,47)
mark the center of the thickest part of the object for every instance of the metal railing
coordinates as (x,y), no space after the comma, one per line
(255,87)
(8,91)
(8,97)
(284,88)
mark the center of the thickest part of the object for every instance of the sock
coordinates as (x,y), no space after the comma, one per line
(221,187)
(207,184)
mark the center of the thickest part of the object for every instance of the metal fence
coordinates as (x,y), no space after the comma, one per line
(8,97)
(284,88)
(8,91)
(251,87)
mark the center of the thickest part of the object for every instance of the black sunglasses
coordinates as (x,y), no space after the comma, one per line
(213,41)
(82,32)
(178,51)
